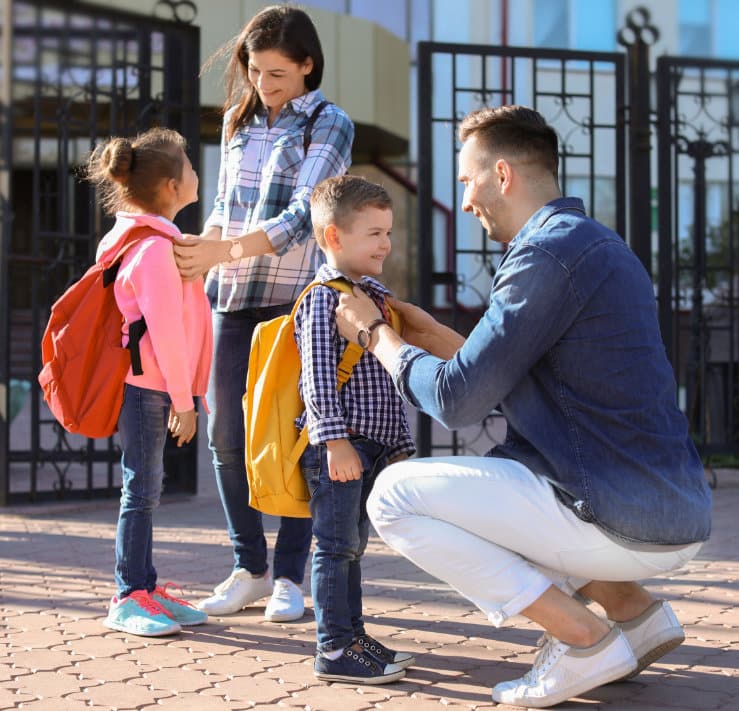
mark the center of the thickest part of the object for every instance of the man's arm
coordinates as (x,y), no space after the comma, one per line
(356,311)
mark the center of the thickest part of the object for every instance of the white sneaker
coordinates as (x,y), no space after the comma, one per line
(652,634)
(286,603)
(561,672)
(237,591)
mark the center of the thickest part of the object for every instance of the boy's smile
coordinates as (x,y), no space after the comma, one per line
(362,246)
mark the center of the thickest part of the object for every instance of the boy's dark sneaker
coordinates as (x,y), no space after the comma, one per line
(356,666)
(383,653)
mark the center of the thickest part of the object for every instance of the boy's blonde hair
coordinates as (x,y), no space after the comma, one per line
(335,201)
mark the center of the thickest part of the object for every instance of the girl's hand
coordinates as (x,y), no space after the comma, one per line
(344,463)
(194,256)
(183,425)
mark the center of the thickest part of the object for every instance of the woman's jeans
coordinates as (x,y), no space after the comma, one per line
(498,534)
(232,332)
(341,527)
(142,429)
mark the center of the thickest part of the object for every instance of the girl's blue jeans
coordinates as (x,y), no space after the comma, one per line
(341,528)
(142,429)
(232,332)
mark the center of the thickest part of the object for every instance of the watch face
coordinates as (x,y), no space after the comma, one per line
(236,250)
(363,338)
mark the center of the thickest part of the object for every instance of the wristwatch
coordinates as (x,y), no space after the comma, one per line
(364,334)
(237,249)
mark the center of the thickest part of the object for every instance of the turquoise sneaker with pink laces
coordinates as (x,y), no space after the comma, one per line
(138,614)
(181,610)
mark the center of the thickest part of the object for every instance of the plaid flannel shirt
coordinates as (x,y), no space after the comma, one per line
(265,181)
(368,404)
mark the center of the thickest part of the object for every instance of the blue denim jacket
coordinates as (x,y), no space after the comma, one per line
(569,350)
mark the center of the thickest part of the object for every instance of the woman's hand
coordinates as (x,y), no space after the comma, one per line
(194,256)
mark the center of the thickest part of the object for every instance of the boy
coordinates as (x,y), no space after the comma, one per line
(353,432)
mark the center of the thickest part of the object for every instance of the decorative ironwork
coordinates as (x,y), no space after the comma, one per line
(184,11)
(698,283)
(456,266)
(80,73)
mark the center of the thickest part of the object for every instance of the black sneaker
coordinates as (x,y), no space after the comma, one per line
(356,666)
(383,653)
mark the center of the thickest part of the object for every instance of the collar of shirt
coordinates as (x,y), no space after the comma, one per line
(303,104)
(543,214)
(370,286)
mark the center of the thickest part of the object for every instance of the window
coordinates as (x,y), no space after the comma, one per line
(695,27)
(575,24)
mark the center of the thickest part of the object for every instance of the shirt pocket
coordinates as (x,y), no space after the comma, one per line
(287,154)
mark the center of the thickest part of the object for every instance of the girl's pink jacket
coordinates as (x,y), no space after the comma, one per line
(177,348)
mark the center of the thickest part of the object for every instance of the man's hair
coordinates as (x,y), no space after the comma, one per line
(518,131)
(335,201)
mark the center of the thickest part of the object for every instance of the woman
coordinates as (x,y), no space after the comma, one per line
(259,248)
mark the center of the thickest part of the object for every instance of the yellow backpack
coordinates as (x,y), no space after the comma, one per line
(271,405)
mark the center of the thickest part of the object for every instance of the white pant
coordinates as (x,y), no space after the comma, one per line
(497,533)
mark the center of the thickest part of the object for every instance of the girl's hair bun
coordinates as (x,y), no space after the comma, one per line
(116,159)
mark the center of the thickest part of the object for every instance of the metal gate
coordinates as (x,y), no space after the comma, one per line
(698,151)
(72,75)
(581,94)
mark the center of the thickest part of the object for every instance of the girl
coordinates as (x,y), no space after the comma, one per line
(259,248)
(151,178)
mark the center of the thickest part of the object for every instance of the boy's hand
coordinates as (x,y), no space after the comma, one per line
(183,425)
(344,463)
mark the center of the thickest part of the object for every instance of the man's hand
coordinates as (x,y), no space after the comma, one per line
(344,463)
(183,425)
(354,312)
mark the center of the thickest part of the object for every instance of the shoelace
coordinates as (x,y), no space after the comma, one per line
(549,653)
(226,584)
(144,600)
(163,592)
(281,591)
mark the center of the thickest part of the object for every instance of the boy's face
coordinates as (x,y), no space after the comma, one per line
(363,245)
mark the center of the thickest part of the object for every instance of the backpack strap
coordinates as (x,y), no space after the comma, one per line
(136,329)
(351,356)
(309,125)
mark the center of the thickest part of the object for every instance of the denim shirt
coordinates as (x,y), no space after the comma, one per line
(569,350)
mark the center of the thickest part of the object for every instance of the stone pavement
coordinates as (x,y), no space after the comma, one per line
(56,579)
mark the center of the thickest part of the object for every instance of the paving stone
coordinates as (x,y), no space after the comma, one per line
(53,644)
(117,696)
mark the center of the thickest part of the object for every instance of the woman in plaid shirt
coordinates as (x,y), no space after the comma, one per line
(259,247)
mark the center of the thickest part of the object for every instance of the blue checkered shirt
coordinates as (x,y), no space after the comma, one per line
(265,181)
(368,404)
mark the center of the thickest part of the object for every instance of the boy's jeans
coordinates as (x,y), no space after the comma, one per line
(341,528)
(232,332)
(142,428)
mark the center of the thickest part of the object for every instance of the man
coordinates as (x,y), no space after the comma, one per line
(597,484)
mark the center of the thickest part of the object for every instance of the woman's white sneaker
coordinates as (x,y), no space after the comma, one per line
(286,603)
(561,672)
(236,592)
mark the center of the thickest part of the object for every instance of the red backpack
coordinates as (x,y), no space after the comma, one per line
(84,363)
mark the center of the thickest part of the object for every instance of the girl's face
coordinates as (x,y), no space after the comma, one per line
(277,79)
(187,187)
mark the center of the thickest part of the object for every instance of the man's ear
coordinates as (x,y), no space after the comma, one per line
(503,174)
(331,235)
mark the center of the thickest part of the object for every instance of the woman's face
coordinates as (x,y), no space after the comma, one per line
(277,79)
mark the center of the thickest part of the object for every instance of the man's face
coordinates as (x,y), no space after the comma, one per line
(482,195)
